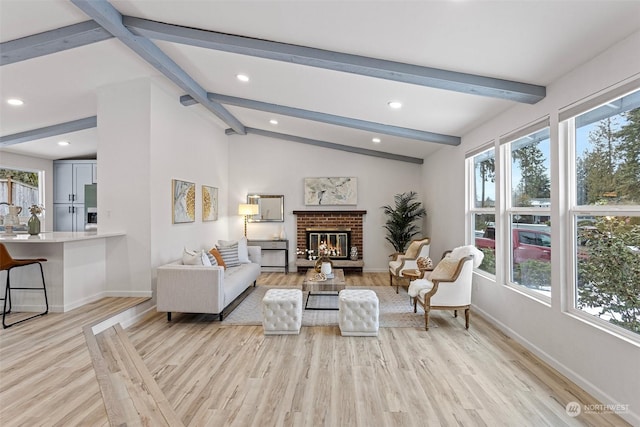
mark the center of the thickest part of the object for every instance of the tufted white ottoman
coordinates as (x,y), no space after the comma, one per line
(358,315)
(282,311)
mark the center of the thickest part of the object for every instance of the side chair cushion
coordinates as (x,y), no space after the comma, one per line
(395,265)
(445,270)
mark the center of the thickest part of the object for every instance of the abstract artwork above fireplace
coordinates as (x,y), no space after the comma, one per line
(331,191)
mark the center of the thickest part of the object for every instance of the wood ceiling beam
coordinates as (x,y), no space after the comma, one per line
(338,61)
(328,118)
(45,132)
(110,19)
(53,41)
(330,145)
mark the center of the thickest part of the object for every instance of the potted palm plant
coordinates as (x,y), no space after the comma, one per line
(401,219)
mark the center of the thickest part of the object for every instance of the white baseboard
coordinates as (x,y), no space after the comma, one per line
(126,318)
(631,417)
(129,294)
(57,308)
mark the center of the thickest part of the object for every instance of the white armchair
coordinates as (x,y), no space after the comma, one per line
(449,285)
(408,260)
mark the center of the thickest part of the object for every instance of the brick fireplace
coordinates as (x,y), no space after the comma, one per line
(331,221)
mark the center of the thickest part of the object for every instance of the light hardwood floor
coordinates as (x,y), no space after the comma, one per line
(208,374)
(46,372)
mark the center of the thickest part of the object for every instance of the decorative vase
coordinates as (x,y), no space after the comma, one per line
(321,260)
(34,225)
(354,253)
(325,268)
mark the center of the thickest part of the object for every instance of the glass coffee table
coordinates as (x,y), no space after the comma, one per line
(316,287)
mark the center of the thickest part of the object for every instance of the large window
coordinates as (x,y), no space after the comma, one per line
(529,211)
(483,207)
(597,165)
(20,188)
(606,211)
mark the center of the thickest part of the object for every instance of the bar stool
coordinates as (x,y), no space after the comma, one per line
(7,264)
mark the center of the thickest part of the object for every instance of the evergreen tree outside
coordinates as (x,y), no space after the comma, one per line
(608,251)
(600,162)
(534,182)
(486,170)
(609,274)
(628,173)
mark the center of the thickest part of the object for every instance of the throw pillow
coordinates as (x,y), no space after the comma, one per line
(190,257)
(205,259)
(218,257)
(229,254)
(212,260)
(243,252)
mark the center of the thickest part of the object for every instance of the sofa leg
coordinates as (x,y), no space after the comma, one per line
(169,316)
(221,315)
(254,283)
(455,313)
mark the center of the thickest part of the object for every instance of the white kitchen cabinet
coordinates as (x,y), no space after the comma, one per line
(69,179)
(68,217)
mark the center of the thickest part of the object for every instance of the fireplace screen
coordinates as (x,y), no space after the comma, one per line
(337,242)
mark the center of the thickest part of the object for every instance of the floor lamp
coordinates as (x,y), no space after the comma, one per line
(247,210)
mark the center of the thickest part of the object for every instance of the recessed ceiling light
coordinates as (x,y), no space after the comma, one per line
(376,140)
(273,121)
(394,104)
(242,77)
(63,143)
(15,102)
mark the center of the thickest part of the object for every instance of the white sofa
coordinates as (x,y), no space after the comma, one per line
(204,289)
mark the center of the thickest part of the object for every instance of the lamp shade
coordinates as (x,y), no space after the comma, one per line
(247,209)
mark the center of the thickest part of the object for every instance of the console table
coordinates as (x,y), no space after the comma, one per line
(273,245)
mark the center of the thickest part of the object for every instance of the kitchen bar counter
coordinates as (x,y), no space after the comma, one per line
(55,237)
(75,271)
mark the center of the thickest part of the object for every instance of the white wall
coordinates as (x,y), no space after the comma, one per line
(34,164)
(146,139)
(603,364)
(124,185)
(190,147)
(270,166)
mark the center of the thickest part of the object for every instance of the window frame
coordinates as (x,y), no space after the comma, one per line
(510,210)
(567,133)
(472,210)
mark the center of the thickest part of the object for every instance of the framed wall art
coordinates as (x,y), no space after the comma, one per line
(183,201)
(209,203)
(331,191)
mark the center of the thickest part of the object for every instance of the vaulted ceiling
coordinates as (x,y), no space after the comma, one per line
(324,70)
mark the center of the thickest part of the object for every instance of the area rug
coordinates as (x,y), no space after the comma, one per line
(395,309)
